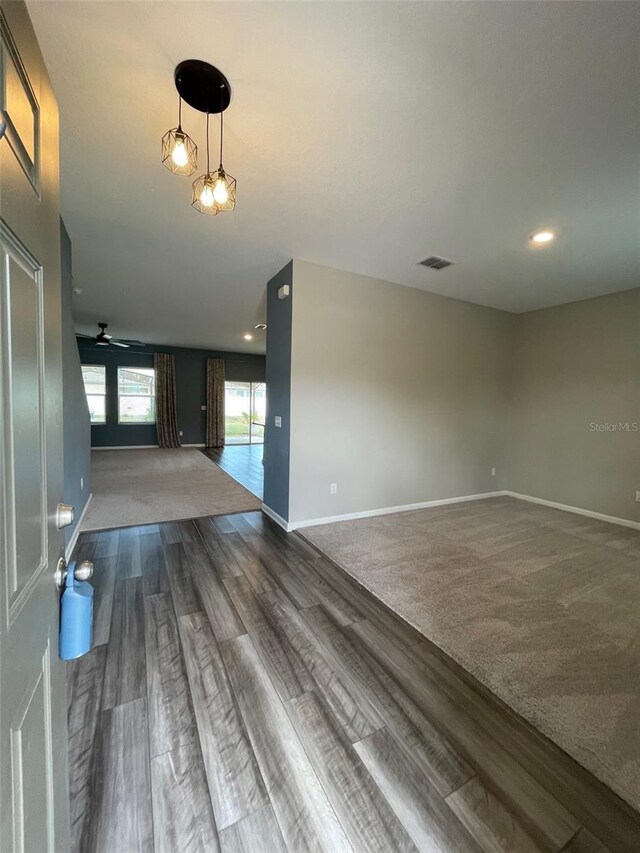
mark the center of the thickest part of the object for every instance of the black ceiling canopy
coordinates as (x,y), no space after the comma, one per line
(202,86)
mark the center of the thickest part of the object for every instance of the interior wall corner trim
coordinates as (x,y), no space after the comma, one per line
(349,516)
(284,524)
(611,519)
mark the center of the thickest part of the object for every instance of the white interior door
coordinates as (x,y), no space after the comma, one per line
(33,732)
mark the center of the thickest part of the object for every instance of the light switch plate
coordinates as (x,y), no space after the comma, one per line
(278,421)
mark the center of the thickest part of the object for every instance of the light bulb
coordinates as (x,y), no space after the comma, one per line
(220,192)
(179,154)
(207,196)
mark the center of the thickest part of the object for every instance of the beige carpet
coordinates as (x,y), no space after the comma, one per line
(542,606)
(144,486)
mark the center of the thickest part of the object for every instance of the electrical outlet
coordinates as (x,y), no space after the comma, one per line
(333,488)
(181,433)
(81,484)
(638,495)
(278,421)
(204,408)
(493,472)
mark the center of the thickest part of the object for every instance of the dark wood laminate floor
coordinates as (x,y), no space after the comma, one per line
(246,695)
(243,462)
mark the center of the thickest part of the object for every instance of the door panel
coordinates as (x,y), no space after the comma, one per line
(19,108)
(19,104)
(23,426)
(30,743)
(34,812)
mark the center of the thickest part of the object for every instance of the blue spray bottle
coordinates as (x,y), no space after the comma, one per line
(76,613)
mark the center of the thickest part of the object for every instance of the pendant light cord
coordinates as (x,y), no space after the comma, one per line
(207,143)
(180,112)
(221,132)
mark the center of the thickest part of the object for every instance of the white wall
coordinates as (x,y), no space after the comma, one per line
(575,366)
(397,395)
(403,397)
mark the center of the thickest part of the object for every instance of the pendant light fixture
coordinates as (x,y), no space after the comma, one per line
(179,151)
(206,89)
(224,190)
(214,192)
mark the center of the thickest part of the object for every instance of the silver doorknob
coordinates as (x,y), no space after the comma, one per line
(60,573)
(83,571)
(65,514)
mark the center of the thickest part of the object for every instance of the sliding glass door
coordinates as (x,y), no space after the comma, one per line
(245,406)
(259,411)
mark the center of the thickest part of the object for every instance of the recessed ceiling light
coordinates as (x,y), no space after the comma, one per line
(260,326)
(540,237)
(248,337)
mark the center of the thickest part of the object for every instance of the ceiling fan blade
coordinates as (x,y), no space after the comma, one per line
(118,344)
(132,343)
(89,337)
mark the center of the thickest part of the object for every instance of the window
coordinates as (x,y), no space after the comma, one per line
(95,388)
(245,407)
(136,395)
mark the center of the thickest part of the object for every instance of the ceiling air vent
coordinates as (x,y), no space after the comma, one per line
(435,263)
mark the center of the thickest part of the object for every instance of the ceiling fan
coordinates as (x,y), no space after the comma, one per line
(102,339)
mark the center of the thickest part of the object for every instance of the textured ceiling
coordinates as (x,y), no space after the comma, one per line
(364,136)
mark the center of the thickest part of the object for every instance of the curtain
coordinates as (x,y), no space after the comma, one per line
(215,402)
(166,413)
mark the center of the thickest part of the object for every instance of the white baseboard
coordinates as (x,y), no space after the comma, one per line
(143,446)
(611,519)
(295,525)
(128,447)
(277,518)
(349,516)
(68,551)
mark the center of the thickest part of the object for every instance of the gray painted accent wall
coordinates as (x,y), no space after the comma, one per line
(277,440)
(75,413)
(190,388)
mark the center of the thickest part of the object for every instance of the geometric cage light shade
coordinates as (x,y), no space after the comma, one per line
(225,186)
(179,152)
(214,192)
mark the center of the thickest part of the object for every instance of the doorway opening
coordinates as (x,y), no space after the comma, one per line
(245,407)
